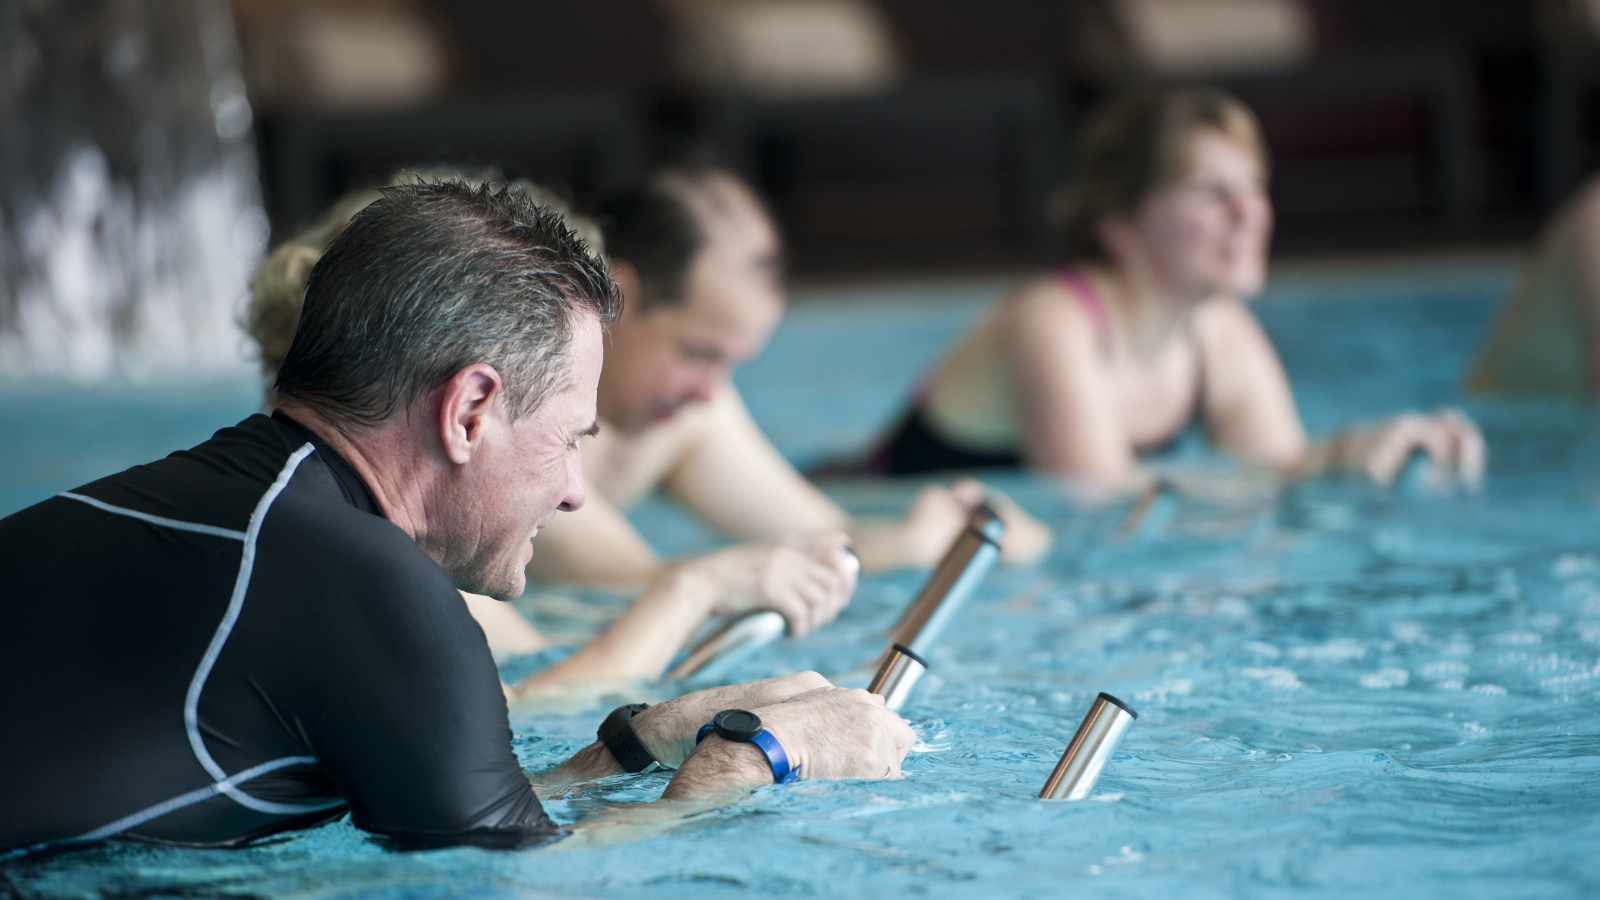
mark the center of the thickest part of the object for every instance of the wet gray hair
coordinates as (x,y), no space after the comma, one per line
(431,278)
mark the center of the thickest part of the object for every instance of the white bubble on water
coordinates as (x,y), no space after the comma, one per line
(1569,564)
(1263,649)
(1232,607)
(1178,686)
(1451,685)
(1444,669)
(1408,632)
(1386,678)
(1274,677)
(1489,690)
(1337,650)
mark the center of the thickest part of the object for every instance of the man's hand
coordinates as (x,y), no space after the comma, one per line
(668,729)
(826,733)
(1453,444)
(807,580)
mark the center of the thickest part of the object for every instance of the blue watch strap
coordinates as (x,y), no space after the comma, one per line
(779,760)
(768,743)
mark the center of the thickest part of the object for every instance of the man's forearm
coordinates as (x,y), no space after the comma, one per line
(644,639)
(719,769)
(593,761)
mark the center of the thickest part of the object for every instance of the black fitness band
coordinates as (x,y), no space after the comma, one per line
(617,733)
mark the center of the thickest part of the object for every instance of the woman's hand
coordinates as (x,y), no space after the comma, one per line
(1452,441)
(934,520)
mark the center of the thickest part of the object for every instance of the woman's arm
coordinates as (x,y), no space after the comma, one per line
(1250,412)
(1249,407)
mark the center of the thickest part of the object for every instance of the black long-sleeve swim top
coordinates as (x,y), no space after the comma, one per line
(234,641)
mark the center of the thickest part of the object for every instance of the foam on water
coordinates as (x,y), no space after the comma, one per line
(1342,690)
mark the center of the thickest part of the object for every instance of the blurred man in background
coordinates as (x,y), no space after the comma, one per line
(699,262)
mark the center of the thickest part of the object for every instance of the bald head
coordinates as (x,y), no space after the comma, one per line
(663,228)
(700,267)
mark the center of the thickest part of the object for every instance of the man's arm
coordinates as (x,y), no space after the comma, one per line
(731,462)
(807,581)
(593,545)
(503,627)
(827,732)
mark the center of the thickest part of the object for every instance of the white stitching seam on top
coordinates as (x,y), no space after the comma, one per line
(163,521)
(241,585)
(193,797)
(224,784)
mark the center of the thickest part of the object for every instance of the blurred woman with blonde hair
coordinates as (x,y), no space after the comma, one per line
(1081,370)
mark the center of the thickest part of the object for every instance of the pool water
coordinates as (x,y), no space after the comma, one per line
(1342,690)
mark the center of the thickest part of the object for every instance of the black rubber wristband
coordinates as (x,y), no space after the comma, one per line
(617,733)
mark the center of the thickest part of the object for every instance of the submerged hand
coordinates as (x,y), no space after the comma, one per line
(1452,441)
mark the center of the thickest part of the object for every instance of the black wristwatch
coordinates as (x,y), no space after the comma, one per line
(741,726)
(617,733)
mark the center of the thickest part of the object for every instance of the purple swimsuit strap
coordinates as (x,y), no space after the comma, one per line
(1081,287)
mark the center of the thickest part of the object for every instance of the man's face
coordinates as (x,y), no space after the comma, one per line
(529,469)
(662,359)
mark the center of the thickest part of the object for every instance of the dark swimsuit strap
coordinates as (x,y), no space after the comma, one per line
(913,445)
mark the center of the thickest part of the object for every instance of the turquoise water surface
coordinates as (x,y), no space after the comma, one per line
(1343,691)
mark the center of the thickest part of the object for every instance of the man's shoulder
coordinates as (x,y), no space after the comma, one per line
(313,531)
(217,484)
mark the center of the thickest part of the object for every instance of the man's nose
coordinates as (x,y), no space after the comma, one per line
(577,491)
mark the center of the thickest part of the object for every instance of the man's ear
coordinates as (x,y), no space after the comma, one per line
(472,399)
(629,283)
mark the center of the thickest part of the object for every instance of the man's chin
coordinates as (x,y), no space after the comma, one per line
(505,586)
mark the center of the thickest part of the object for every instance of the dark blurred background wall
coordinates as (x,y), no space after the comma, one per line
(921,135)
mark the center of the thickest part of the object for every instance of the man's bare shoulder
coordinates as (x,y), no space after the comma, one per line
(625,465)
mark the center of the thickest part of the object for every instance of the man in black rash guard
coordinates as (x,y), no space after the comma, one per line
(263,632)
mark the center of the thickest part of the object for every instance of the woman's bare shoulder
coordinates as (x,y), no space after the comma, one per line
(1043,308)
(1223,318)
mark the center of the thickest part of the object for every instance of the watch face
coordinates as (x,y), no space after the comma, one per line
(737,725)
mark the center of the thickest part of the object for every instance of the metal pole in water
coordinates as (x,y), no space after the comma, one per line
(1091,748)
(740,637)
(964,565)
(897,675)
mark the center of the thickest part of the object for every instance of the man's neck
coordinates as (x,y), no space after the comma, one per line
(382,456)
